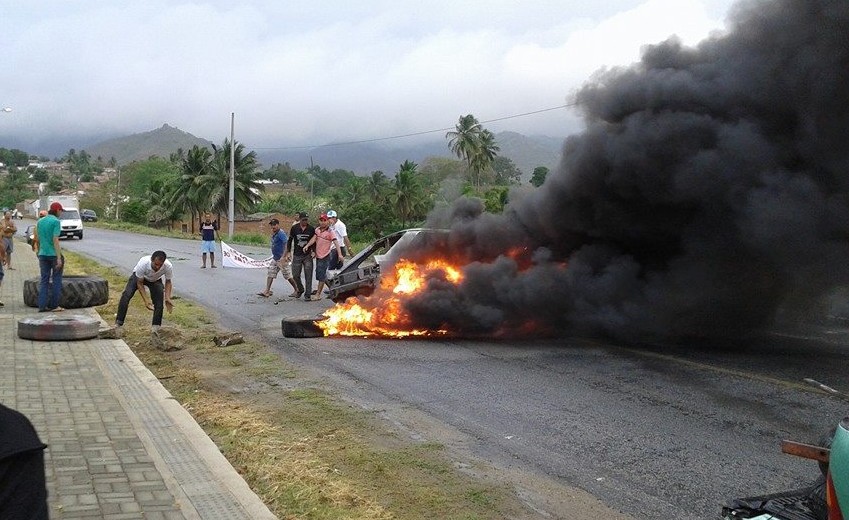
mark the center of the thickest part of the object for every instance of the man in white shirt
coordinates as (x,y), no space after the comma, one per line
(341,231)
(149,271)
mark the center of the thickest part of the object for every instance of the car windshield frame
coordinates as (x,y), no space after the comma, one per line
(390,245)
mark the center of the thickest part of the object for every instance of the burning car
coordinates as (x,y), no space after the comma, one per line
(361,274)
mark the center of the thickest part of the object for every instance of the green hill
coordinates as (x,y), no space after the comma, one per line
(161,142)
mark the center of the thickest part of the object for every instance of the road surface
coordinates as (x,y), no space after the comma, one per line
(653,431)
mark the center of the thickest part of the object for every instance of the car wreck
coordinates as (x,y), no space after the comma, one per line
(361,274)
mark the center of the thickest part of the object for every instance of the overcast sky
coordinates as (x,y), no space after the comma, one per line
(300,73)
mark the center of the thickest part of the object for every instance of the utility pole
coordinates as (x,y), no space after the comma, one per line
(231,209)
(117,192)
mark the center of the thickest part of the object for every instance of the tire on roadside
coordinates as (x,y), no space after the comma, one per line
(77,292)
(302,327)
(58,327)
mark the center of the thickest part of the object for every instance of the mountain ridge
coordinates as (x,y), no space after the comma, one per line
(527,152)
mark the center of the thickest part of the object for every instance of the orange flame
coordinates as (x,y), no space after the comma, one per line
(382,313)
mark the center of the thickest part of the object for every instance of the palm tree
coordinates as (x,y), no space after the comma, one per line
(377,186)
(463,139)
(186,196)
(214,185)
(156,199)
(485,153)
(355,190)
(475,145)
(407,196)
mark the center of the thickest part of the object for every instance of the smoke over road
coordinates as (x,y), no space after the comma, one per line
(708,191)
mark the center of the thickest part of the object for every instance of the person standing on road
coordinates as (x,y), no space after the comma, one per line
(279,263)
(341,231)
(149,272)
(50,260)
(9,230)
(324,240)
(208,236)
(301,256)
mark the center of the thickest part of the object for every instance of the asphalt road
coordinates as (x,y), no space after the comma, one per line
(653,431)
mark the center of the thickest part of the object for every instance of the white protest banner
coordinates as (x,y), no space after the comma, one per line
(233,258)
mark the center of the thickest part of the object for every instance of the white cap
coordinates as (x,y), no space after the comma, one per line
(331,214)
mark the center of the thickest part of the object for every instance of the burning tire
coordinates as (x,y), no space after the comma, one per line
(77,292)
(302,327)
(58,327)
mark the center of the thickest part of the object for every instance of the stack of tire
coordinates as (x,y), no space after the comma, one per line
(77,292)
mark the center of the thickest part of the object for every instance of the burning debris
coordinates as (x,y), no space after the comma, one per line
(707,194)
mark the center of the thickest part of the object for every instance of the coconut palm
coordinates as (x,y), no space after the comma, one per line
(377,185)
(186,196)
(463,140)
(407,196)
(160,209)
(214,184)
(484,155)
(475,145)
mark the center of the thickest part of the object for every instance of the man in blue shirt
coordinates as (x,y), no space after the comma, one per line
(279,263)
(50,259)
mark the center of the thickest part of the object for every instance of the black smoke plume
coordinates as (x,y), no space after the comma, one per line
(708,192)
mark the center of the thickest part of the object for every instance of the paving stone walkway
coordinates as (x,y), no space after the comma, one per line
(119,446)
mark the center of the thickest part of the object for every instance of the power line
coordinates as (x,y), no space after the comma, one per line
(376,139)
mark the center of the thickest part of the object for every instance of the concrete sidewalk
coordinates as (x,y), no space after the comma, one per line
(119,445)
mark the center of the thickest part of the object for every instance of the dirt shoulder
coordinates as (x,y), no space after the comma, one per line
(309,453)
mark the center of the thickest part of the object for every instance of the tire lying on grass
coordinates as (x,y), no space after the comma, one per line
(77,292)
(58,327)
(302,327)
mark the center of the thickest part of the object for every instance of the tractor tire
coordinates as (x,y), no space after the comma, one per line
(77,292)
(58,327)
(302,327)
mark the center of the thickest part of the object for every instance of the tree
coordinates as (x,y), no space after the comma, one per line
(282,172)
(407,197)
(355,190)
(15,187)
(159,208)
(55,184)
(40,175)
(506,171)
(434,170)
(463,140)
(484,155)
(475,145)
(539,175)
(186,195)
(137,176)
(496,198)
(214,185)
(377,185)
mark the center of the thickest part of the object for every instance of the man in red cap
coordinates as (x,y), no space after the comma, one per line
(50,260)
(325,240)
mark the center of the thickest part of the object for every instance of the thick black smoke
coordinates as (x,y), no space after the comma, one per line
(708,192)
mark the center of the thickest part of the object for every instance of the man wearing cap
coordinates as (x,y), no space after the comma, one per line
(279,263)
(50,259)
(325,241)
(301,256)
(341,231)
